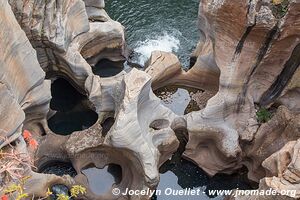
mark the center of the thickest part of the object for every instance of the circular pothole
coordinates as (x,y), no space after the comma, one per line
(73,112)
(107,68)
(180,174)
(101,180)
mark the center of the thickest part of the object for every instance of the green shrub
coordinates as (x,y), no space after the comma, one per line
(280,7)
(263,115)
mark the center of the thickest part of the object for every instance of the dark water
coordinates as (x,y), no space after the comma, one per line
(178,173)
(73,113)
(107,68)
(168,25)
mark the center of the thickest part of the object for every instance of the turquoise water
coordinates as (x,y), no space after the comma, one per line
(168,25)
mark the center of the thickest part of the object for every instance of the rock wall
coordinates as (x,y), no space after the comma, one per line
(66,38)
(248,56)
(256,51)
(24,92)
(24,103)
(69,36)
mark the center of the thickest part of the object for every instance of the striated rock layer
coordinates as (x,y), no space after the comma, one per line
(70,37)
(257,53)
(248,56)
(24,102)
(140,140)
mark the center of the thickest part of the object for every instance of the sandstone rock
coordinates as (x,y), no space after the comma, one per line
(25,97)
(165,69)
(282,175)
(270,138)
(22,86)
(95,3)
(248,55)
(140,140)
(63,37)
(283,169)
(256,53)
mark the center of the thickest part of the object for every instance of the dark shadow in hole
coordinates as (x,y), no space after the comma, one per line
(58,168)
(67,123)
(159,124)
(64,96)
(106,125)
(73,112)
(116,171)
(107,68)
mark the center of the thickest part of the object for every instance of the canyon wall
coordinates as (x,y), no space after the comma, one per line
(255,45)
(66,39)
(248,56)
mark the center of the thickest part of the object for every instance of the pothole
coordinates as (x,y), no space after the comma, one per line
(58,168)
(73,109)
(183,100)
(107,68)
(101,180)
(180,174)
(159,124)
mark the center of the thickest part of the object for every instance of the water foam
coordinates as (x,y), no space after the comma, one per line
(165,42)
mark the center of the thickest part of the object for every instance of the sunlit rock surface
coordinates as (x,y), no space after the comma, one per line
(24,102)
(247,57)
(257,53)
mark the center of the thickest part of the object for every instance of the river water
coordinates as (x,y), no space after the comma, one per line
(167,25)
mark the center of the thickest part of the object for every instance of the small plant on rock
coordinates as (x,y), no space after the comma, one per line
(17,189)
(76,190)
(263,115)
(280,7)
(62,197)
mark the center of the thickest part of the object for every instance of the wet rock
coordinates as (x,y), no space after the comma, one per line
(59,189)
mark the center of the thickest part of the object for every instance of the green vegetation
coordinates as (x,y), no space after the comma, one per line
(18,190)
(280,7)
(263,115)
(75,191)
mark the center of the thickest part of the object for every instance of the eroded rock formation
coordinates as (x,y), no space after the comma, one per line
(248,57)
(140,140)
(25,97)
(257,54)
(69,38)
